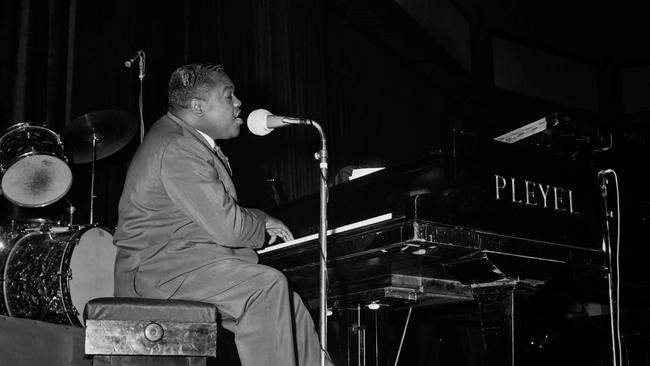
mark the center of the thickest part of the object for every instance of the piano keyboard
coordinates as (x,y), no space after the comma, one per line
(338,230)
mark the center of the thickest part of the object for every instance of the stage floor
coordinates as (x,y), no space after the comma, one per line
(26,342)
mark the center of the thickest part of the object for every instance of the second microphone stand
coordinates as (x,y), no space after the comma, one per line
(141,74)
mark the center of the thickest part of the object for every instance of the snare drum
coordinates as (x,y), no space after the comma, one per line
(51,275)
(33,166)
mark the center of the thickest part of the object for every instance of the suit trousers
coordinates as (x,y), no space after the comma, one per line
(270,322)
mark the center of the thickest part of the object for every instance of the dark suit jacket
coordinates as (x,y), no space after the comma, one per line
(178,213)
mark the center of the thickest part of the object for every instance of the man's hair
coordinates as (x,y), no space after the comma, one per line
(191,81)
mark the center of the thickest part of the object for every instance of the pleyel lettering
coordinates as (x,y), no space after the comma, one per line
(514,192)
(571,203)
(500,184)
(559,199)
(530,193)
(544,190)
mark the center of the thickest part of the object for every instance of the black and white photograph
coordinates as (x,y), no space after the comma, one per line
(324,182)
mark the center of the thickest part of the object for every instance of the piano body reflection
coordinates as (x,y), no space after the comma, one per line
(477,221)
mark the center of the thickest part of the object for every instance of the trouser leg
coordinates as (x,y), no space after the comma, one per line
(257,298)
(263,331)
(307,342)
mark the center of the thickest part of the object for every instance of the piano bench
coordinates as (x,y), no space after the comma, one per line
(138,331)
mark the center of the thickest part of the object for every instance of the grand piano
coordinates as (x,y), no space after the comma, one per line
(477,221)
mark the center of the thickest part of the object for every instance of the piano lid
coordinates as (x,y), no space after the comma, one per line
(522,191)
(476,183)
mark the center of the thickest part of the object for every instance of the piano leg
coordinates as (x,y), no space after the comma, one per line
(506,310)
(347,335)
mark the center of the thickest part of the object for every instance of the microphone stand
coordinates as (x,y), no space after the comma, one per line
(321,156)
(141,77)
(141,64)
(92,178)
(612,273)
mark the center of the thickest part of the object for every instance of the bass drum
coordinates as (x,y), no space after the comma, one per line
(7,239)
(51,275)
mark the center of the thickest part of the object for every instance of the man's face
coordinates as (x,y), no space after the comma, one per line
(221,110)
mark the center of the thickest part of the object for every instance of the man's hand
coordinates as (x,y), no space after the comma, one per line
(275,228)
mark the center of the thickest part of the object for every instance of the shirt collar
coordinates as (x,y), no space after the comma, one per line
(209,139)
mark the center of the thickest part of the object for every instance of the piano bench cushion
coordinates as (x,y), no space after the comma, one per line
(137,308)
(137,326)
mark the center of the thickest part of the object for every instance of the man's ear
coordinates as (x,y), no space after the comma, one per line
(196,106)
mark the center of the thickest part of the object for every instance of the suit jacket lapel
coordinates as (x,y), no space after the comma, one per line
(224,172)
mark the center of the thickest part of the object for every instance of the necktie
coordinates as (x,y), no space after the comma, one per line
(223,158)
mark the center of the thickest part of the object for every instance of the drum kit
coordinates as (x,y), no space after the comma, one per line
(49,269)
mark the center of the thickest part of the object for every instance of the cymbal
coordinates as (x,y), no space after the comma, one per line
(112,128)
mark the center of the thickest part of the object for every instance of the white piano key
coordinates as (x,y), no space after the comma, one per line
(338,230)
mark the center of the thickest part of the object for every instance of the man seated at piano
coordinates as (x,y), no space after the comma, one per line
(181,233)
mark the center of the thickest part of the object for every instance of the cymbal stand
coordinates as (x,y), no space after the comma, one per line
(92,177)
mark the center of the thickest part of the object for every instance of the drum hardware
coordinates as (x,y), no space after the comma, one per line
(96,135)
(21,226)
(33,166)
(71,210)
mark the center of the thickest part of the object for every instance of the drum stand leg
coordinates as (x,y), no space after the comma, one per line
(71,210)
(92,178)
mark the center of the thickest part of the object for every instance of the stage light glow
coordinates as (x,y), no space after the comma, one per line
(373,306)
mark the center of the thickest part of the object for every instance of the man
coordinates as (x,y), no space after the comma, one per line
(181,233)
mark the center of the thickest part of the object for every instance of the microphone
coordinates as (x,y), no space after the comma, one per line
(603,181)
(261,122)
(130,62)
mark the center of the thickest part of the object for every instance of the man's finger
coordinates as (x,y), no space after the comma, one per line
(286,236)
(289,235)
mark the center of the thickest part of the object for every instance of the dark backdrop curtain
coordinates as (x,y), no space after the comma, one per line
(63,59)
